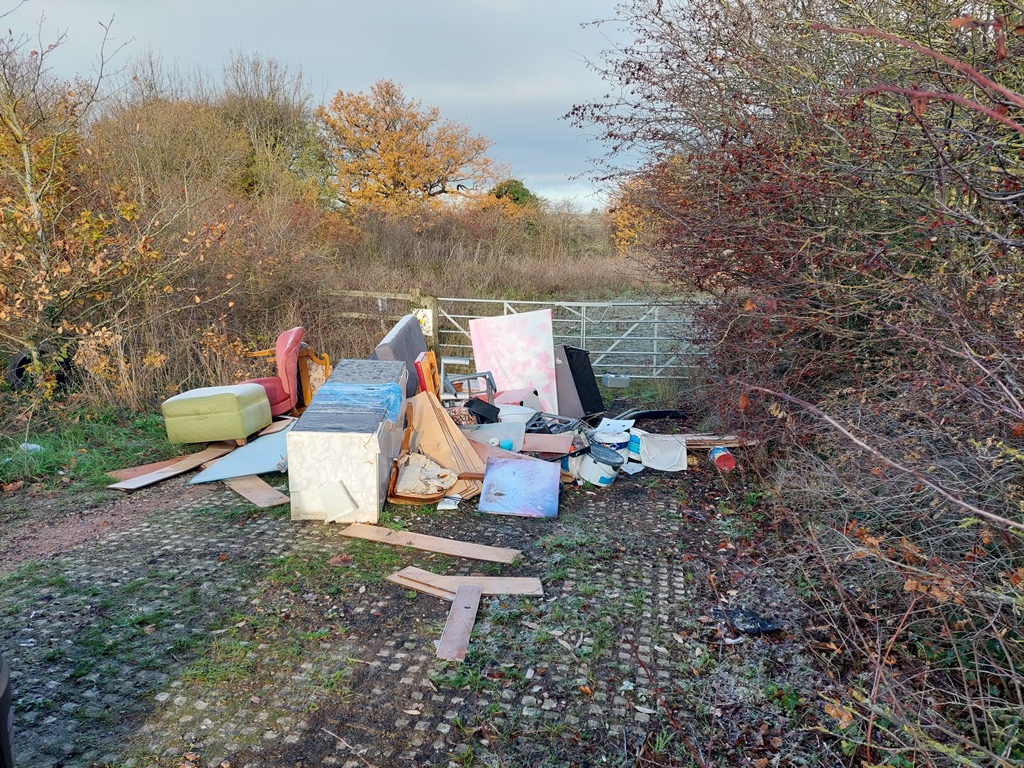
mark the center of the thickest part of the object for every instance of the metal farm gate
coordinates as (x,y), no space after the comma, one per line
(642,340)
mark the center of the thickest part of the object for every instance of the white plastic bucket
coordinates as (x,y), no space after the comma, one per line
(634,443)
(617,441)
(599,466)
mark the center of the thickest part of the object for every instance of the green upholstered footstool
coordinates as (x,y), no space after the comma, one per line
(209,414)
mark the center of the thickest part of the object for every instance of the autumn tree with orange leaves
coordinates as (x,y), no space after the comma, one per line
(391,154)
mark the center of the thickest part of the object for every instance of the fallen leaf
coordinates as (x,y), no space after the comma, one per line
(191,757)
(586,690)
(338,560)
(149,629)
(413,712)
(255,699)
(16,485)
(842,714)
(222,556)
(645,710)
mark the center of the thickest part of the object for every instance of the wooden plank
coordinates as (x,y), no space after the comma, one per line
(538,443)
(718,441)
(129,472)
(431,543)
(179,467)
(401,581)
(256,491)
(491,585)
(455,639)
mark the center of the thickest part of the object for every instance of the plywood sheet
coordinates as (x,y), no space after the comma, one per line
(548,443)
(256,491)
(455,639)
(519,351)
(178,468)
(491,585)
(264,454)
(440,439)
(432,543)
(524,489)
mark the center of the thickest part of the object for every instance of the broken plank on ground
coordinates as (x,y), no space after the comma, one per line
(256,491)
(178,468)
(491,585)
(444,594)
(129,472)
(455,639)
(431,543)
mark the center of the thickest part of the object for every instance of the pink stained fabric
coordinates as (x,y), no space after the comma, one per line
(519,351)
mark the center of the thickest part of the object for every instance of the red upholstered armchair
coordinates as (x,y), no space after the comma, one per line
(283,389)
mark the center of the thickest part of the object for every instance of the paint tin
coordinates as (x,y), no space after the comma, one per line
(722,459)
(617,441)
(600,465)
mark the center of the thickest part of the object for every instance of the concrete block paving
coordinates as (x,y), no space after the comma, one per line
(220,635)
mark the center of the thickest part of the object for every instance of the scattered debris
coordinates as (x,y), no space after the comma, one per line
(747,622)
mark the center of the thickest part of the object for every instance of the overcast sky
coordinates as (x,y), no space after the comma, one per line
(509,69)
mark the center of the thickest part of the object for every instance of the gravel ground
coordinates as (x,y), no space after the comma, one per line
(200,631)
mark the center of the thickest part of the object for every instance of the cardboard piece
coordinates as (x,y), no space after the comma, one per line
(541,443)
(431,543)
(403,342)
(178,468)
(529,363)
(264,454)
(491,585)
(277,426)
(524,489)
(438,438)
(256,491)
(454,640)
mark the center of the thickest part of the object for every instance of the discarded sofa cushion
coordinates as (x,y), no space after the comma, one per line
(216,413)
(404,342)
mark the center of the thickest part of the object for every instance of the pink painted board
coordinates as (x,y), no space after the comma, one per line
(519,351)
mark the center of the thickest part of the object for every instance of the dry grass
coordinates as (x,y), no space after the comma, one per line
(280,264)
